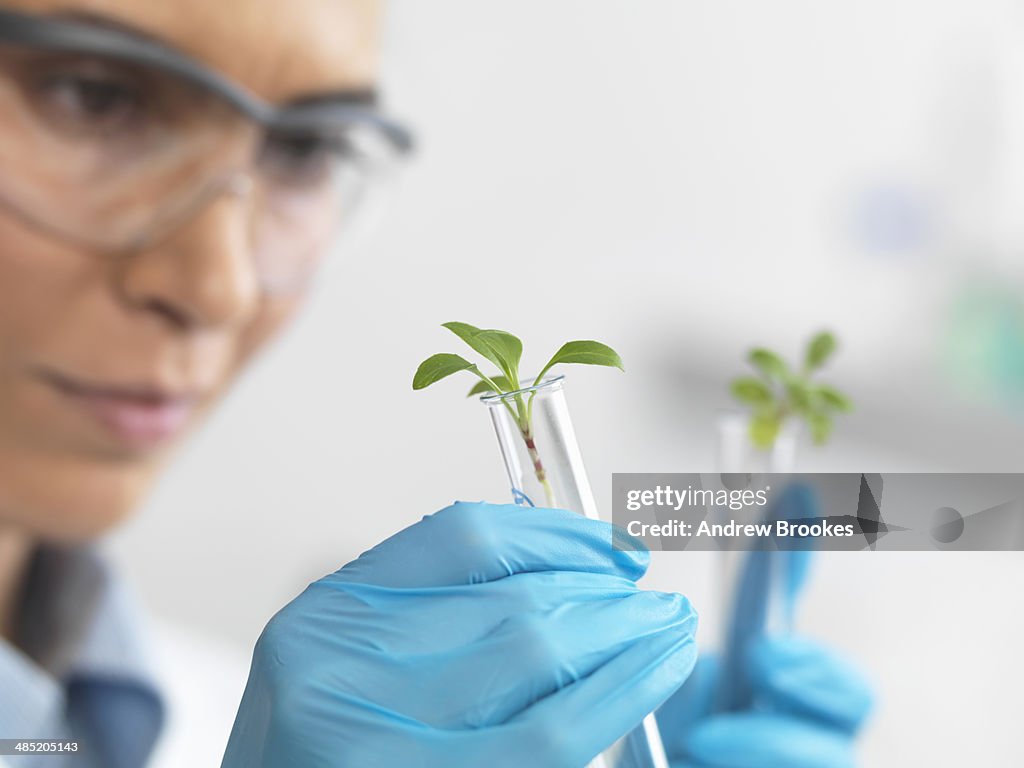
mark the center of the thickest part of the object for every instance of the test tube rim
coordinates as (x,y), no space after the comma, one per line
(550,383)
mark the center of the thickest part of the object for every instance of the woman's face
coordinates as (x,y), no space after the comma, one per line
(103,370)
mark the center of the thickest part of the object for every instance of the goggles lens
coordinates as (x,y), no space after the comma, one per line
(115,154)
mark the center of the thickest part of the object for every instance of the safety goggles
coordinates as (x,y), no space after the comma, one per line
(112,141)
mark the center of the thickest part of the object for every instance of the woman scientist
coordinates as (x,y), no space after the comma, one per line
(170,174)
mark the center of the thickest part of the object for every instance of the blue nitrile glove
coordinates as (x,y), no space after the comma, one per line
(808,706)
(770,582)
(790,702)
(481,636)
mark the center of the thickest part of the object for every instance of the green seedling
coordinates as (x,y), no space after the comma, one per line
(779,392)
(504,351)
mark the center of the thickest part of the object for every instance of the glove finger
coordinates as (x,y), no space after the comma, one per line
(751,740)
(566,728)
(540,591)
(520,661)
(687,705)
(437,619)
(542,653)
(792,674)
(469,543)
(570,727)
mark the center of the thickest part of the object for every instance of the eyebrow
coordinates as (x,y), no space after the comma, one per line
(369,97)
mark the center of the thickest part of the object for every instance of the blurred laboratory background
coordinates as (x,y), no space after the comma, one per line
(682,180)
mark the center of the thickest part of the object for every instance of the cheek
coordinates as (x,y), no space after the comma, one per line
(51,493)
(40,284)
(33,288)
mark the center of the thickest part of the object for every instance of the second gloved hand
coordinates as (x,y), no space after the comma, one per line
(808,706)
(481,636)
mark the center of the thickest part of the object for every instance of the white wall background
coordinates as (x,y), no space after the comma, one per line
(681,180)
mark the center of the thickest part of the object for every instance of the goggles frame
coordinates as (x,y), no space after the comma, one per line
(75,36)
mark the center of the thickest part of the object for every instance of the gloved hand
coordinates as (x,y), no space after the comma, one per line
(481,636)
(792,703)
(808,705)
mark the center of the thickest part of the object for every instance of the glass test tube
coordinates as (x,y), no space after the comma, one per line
(545,469)
(739,458)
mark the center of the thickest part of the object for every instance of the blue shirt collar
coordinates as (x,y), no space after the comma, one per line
(77,622)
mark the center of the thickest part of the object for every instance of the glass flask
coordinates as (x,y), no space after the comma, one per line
(545,469)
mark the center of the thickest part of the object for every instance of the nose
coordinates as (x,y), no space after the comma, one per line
(202,275)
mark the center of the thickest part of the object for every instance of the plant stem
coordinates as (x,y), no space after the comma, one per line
(525,421)
(494,388)
(538,466)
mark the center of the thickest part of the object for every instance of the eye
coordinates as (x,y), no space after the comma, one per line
(301,159)
(88,98)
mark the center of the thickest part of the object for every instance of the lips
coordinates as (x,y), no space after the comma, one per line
(138,416)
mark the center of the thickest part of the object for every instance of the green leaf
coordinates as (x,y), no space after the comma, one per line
(833,398)
(749,389)
(437,367)
(820,425)
(468,334)
(766,361)
(508,350)
(798,394)
(819,350)
(584,353)
(482,386)
(764,428)
(500,347)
